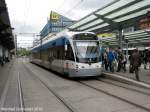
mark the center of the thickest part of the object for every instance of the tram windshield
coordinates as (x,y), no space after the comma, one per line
(87,51)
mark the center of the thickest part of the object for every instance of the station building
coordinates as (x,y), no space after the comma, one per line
(55,23)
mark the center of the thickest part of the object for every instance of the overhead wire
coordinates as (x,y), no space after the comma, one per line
(26,11)
(62,4)
(27,8)
(76,5)
(24,22)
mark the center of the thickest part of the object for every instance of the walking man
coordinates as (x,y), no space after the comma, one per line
(120,60)
(145,58)
(136,63)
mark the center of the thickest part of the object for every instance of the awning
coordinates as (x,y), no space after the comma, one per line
(113,16)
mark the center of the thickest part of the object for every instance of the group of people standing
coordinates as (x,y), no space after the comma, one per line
(116,60)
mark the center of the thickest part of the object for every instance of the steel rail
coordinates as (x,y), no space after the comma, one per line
(21,101)
(131,89)
(63,101)
(114,96)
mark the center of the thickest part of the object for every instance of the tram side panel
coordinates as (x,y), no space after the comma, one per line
(54,55)
(56,58)
(35,58)
(59,60)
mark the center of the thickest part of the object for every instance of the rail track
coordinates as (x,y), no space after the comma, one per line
(61,99)
(115,96)
(72,109)
(123,86)
(21,101)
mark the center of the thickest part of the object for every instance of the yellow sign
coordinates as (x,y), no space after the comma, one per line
(54,16)
(106,34)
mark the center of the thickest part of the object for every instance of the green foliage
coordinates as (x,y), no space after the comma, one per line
(23,52)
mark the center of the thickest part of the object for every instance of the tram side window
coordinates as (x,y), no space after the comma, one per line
(69,53)
(61,52)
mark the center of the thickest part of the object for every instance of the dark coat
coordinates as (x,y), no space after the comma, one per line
(135,59)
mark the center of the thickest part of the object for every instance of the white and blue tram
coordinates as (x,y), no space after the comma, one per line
(75,54)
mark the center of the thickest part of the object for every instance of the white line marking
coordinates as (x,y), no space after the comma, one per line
(130,80)
(20,93)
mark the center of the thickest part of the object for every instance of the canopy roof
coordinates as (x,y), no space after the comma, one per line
(117,15)
(138,38)
(113,16)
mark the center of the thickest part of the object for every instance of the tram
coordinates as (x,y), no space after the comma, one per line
(74,54)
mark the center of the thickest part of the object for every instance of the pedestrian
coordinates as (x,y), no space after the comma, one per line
(120,60)
(149,57)
(105,61)
(1,61)
(111,58)
(124,61)
(145,58)
(115,62)
(136,63)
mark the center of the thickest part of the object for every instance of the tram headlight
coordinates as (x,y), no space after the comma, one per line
(78,67)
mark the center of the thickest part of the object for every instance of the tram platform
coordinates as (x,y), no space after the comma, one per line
(123,76)
(144,76)
(4,73)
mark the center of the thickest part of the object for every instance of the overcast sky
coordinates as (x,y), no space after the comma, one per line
(30,16)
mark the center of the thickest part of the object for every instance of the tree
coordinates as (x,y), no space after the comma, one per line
(23,52)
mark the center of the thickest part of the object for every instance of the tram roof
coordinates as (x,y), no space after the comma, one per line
(65,33)
(112,16)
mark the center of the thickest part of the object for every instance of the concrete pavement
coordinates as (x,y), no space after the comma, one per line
(36,95)
(144,75)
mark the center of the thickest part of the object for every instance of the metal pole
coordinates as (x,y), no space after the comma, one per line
(120,38)
(15,41)
(127,51)
(40,48)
